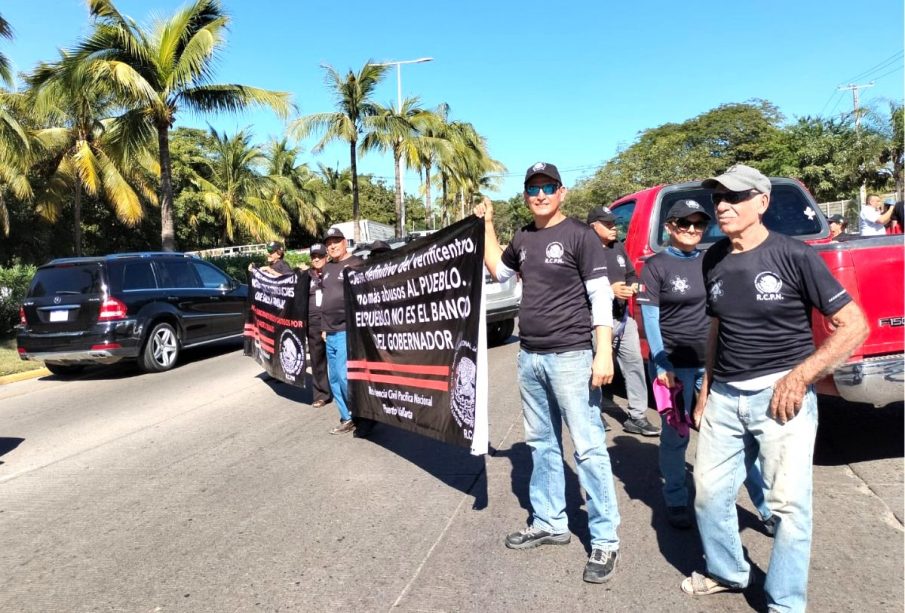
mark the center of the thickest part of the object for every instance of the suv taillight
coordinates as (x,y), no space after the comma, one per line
(22,320)
(112,308)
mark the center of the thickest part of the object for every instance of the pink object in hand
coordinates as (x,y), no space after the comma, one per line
(671,405)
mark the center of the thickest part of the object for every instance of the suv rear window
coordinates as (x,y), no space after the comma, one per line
(75,279)
(788,212)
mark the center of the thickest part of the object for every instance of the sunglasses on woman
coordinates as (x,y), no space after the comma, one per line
(732,197)
(549,189)
(690,226)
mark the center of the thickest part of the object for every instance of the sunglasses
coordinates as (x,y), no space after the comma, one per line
(732,197)
(549,189)
(690,226)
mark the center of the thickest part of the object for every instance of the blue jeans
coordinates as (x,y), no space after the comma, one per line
(556,387)
(673,446)
(337,372)
(736,424)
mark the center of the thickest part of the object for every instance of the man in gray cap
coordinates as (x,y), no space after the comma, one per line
(626,341)
(757,395)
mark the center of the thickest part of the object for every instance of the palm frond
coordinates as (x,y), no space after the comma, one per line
(234,98)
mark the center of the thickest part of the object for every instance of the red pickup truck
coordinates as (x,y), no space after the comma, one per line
(870,268)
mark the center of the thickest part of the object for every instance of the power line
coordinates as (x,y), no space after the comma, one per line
(895,56)
(896,69)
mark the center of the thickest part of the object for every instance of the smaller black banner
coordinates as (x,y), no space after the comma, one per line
(275,324)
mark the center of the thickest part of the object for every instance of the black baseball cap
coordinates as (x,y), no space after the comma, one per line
(334,233)
(543,168)
(837,219)
(380,247)
(273,246)
(686,208)
(600,213)
(318,249)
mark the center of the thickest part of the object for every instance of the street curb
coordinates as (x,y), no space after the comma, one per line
(23,376)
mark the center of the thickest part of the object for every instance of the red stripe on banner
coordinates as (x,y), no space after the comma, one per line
(417,369)
(267,342)
(443,386)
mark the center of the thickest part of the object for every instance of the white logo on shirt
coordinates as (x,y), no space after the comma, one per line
(768,285)
(554,253)
(522,254)
(679,285)
(621,260)
(716,290)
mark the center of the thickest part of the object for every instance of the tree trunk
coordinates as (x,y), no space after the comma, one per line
(77,218)
(444,195)
(427,197)
(356,231)
(400,220)
(167,230)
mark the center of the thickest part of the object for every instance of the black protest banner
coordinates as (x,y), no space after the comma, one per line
(275,324)
(415,330)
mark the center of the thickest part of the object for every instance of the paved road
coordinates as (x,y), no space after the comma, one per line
(209,489)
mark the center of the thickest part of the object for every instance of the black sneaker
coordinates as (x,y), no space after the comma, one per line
(535,537)
(678,517)
(770,525)
(601,566)
(640,426)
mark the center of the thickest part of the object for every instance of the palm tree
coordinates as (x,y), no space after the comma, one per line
(161,69)
(6,69)
(429,146)
(466,168)
(15,154)
(294,187)
(399,131)
(85,148)
(237,192)
(335,179)
(353,101)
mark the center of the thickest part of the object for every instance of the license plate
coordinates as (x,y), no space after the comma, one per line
(59,316)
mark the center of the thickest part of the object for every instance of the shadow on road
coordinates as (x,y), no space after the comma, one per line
(8,443)
(849,433)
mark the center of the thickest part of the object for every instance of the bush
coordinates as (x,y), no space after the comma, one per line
(237,266)
(13,287)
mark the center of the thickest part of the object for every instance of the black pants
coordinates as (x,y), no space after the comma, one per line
(317,349)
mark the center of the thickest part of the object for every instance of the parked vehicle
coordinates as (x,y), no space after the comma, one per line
(502,303)
(142,306)
(870,269)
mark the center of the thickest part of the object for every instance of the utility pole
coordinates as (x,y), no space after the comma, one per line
(862,192)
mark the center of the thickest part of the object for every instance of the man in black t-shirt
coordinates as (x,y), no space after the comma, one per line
(758,395)
(565,297)
(317,347)
(626,341)
(333,322)
(276,265)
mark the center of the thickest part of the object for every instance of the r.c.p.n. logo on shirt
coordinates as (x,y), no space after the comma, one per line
(716,290)
(554,253)
(768,284)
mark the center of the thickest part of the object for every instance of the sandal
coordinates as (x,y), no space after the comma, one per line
(702,585)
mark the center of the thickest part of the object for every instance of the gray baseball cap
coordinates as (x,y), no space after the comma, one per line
(740,178)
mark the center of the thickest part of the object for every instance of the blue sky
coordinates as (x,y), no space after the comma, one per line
(567,83)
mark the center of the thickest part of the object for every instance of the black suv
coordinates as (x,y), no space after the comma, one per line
(144,306)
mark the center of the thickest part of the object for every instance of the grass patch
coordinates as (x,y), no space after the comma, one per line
(9,358)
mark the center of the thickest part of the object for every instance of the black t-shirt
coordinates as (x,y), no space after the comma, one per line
(333,307)
(281,267)
(676,285)
(763,299)
(619,268)
(554,263)
(315,291)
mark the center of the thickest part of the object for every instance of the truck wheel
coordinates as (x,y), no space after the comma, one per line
(63,370)
(161,349)
(499,331)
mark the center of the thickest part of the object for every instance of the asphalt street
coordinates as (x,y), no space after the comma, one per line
(208,488)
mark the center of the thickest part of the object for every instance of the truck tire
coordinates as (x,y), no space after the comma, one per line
(161,350)
(63,370)
(499,331)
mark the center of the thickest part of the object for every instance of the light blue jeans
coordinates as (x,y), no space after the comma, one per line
(556,387)
(673,447)
(337,372)
(734,424)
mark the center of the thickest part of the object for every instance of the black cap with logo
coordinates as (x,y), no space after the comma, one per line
(543,168)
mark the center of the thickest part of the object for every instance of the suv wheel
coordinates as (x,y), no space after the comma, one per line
(161,349)
(63,370)
(499,331)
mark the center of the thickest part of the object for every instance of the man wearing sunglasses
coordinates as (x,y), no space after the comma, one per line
(317,347)
(565,296)
(757,395)
(626,341)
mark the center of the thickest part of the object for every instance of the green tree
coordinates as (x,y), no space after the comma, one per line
(16,152)
(237,193)
(159,70)
(352,93)
(6,69)
(87,150)
(294,186)
(465,167)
